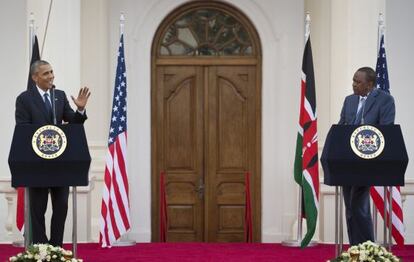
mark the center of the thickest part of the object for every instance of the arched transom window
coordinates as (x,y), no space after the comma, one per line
(206,32)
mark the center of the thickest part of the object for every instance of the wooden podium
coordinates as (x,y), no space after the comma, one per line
(32,167)
(366,155)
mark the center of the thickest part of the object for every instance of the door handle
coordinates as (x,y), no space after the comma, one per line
(200,190)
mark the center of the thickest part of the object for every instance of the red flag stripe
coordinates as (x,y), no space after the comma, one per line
(110,186)
(377,194)
(120,190)
(20,209)
(314,179)
(121,163)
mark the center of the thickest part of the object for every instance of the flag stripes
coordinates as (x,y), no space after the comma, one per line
(115,197)
(306,170)
(377,193)
(115,217)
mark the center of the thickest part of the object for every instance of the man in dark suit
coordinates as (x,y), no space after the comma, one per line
(368,105)
(35,106)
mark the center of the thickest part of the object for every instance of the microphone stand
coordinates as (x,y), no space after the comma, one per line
(54,105)
(74,192)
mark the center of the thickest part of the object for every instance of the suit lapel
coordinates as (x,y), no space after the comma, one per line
(38,101)
(354,107)
(370,101)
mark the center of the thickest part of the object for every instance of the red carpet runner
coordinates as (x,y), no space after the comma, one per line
(182,252)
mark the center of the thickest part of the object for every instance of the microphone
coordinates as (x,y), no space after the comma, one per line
(54,104)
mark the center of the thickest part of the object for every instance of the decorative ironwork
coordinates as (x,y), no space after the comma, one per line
(206,32)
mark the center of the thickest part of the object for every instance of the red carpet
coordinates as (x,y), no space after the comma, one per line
(182,252)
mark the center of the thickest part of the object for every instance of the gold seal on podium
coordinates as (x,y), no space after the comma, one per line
(49,142)
(367,142)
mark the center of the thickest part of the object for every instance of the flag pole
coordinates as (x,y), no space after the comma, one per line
(27,236)
(121,24)
(387,237)
(297,242)
(381,30)
(124,240)
(374,207)
(396,229)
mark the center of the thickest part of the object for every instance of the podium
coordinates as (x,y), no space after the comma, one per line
(50,156)
(366,155)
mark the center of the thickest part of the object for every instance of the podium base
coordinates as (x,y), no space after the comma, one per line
(124,243)
(296,243)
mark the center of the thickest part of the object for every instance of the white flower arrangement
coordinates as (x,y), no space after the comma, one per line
(367,251)
(44,252)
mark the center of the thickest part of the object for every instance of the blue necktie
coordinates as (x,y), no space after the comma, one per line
(361,110)
(48,105)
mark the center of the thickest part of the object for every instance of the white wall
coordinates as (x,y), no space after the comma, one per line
(344,39)
(61,47)
(280,27)
(82,46)
(13,67)
(400,56)
(14,72)
(399,39)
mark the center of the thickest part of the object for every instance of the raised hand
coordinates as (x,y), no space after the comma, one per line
(82,98)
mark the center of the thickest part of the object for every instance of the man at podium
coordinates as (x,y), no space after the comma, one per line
(43,104)
(368,105)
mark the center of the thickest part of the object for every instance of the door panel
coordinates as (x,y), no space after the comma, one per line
(179,148)
(205,133)
(231,149)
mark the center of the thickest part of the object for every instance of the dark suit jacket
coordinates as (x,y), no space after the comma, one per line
(31,109)
(379,109)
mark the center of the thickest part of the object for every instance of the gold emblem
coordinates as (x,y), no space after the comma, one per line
(367,142)
(49,142)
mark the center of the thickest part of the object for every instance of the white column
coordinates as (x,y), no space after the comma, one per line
(95,57)
(400,56)
(14,66)
(353,45)
(344,38)
(62,43)
(320,13)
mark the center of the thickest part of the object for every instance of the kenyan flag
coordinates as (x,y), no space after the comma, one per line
(306,158)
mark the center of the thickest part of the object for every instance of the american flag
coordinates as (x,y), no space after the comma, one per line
(115,219)
(377,193)
(382,81)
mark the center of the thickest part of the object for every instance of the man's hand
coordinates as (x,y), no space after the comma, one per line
(82,98)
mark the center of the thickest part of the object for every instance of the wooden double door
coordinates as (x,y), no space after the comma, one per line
(205,137)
